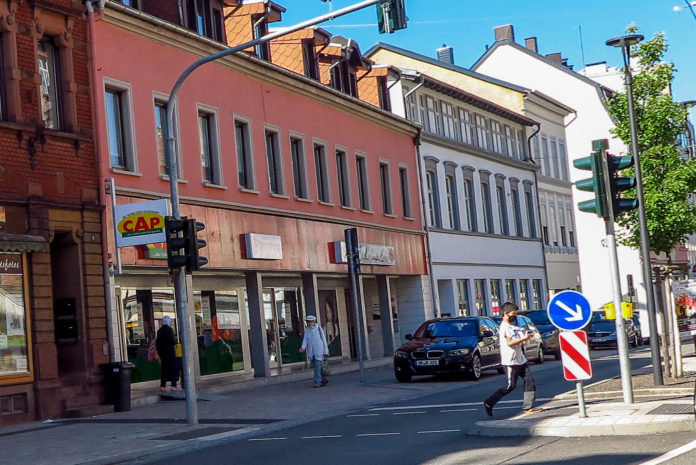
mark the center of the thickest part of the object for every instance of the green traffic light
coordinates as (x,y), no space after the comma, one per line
(595,184)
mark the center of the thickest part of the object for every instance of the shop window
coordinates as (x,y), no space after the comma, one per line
(464,302)
(218,331)
(495,296)
(15,360)
(537,296)
(480,296)
(299,170)
(275,163)
(524,294)
(510,290)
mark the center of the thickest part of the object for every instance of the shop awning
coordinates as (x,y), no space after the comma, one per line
(22,243)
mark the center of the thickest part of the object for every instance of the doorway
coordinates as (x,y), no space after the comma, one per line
(284,317)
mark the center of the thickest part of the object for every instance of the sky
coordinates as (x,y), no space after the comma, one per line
(576,29)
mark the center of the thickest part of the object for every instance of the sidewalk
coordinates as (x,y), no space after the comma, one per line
(656,409)
(161,427)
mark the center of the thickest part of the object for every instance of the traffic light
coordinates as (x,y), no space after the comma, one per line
(353,250)
(619,184)
(182,243)
(391,16)
(594,184)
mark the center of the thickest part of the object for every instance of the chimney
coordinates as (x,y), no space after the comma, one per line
(504,33)
(531,44)
(555,57)
(445,54)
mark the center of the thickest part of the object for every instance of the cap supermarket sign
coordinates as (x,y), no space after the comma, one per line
(140,223)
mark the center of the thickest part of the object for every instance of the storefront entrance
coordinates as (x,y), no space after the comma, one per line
(284,317)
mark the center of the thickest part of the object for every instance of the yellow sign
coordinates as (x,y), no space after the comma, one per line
(626,310)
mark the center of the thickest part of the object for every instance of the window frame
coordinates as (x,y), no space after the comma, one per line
(274,161)
(452,195)
(501,200)
(433,193)
(469,197)
(298,160)
(53,74)
(321,171)
(162,99)
(404,184)
(213,136)
(244,154)
(486,202)
(343,178)
(386,187)
(529,206)
(127,125)
(363,178)
(515,198)
(465,300)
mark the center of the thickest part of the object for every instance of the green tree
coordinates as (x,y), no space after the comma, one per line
(669,178)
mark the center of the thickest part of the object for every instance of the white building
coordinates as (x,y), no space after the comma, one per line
(524,66)
(479,190)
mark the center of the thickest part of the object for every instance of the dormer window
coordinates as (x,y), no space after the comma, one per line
(309,55)
(383,92)
(343,78)
(205,18)
(262,50)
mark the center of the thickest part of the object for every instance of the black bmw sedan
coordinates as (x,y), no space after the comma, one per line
(449,345)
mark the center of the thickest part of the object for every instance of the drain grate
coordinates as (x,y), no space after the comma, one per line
(672,409)
(199,433)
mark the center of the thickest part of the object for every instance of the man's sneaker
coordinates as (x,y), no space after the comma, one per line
(488,409)
(317,385)
(533,410)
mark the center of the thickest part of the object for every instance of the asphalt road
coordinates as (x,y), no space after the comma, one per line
(433,430)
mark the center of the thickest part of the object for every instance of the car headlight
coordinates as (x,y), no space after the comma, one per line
(457,352)
(401,354)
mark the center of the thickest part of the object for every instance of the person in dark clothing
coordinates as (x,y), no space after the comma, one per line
(165,342)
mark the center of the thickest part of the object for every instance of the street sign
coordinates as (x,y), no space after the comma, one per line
(575,355)
(569,310)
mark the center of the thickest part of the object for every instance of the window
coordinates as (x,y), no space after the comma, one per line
(16,354)
(466,131)
(571,233)
(50,83)
(260,24)
(535,144)
(556,161)
(448,120)
(405,192)
(322,174)
(412,107)
(524,294)
(343,181)
(522,148)
(486,204)
(363,186)
(515,194)
(529,203)
(343,78)
(496,137)
(502,205)
(3,82)
(464,302)
(553,223)
(563,159)
(495,296)
(205,19)
(452,204)
(161,139)
(510,290)
(562,221)
(245,167)
(207,136)
(309,57)
(385,183)
(118,128)
(430,114)
(383,90)
(275,164)
(537,296)
(433,199)
(543,213)
(510,144)
(469,198)
(482,135)
(546,165)
(480,295)
(299,173)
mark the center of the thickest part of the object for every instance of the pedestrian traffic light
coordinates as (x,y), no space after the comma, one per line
(391,16)
(619,184)
(182,243)
(595,184)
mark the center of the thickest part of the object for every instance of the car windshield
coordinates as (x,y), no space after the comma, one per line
(462,328)
(538,318)
(605,325)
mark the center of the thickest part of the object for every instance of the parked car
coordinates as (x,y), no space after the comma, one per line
(466,345)
(549,333)
(602,333)
(533,349)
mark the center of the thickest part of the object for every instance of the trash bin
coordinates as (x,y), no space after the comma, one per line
(117,385)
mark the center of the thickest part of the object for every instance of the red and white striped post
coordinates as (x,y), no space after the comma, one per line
(575,356)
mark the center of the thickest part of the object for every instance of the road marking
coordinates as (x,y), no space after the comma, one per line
(672,454)
(407,413)
(322,437)
(440,431)
(365,415)
(463,404)
(266,439)
(458,410)
(378,434)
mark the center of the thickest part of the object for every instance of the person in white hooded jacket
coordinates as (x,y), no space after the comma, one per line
(314,343)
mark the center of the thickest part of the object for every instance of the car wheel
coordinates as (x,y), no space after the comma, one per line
(540,355)
(474,372)
(402,376)
(557,355)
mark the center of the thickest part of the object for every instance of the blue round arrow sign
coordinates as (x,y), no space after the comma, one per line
(569,310)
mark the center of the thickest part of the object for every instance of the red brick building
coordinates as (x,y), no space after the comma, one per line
(52,309)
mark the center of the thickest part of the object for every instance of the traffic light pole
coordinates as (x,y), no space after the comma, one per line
(621,338)
(182,303)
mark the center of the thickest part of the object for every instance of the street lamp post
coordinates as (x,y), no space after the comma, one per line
(625,43)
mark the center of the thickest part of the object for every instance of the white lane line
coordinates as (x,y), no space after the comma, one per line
(458,410)
(322,437)
(365,415)
(440,431)
(266,439)
(408,413)
(378,434)
(463,404)
(671,454)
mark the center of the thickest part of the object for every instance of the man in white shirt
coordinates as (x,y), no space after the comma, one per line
(514,362)
(314,343)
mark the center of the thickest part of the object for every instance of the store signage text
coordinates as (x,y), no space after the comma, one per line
(11,263)
(263,247)
(140,223)
(370,254)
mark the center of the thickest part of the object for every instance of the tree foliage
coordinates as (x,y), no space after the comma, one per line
(669,178)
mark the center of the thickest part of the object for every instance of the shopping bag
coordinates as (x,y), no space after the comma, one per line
(325,369)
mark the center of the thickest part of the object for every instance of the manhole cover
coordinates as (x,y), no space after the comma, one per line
(672,409)
(199,433)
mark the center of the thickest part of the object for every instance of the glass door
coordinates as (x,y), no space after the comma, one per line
(284,319)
